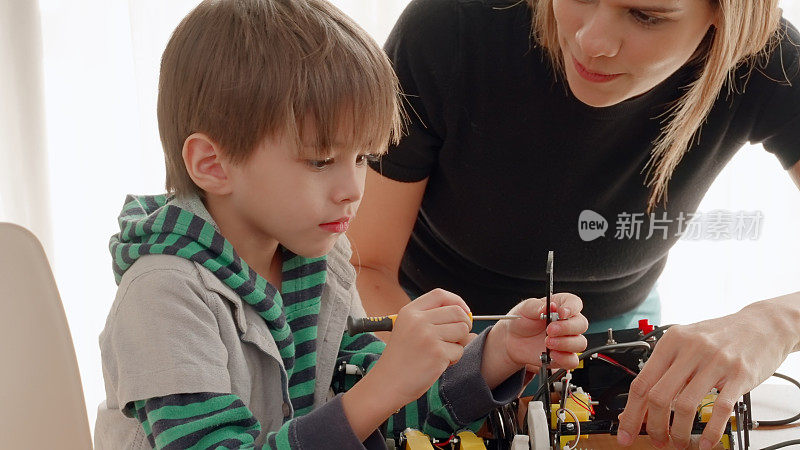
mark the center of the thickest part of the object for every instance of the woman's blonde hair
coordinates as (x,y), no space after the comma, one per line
(745,30)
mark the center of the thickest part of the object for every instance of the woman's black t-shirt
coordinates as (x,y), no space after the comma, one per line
(517,166)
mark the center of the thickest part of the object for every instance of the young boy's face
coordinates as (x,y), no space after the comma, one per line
(302,203)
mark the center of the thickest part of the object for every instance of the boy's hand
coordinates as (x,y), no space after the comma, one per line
(429,335)
(512,344)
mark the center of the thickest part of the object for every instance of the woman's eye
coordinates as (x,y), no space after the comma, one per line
(319,163)
(363,159)
(645,19)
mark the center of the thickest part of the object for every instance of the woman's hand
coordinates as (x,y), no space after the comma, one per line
(733,354)
(515,343)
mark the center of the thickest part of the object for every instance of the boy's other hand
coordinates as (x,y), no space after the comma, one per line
(429,334)
(512,344)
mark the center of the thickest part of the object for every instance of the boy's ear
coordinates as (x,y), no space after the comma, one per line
(205,164)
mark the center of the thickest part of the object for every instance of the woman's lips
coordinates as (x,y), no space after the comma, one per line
(593,76)
(339,226)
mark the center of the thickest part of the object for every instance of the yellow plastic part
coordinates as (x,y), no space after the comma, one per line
(572,405)
(469,441)
(706,407)
(417,440)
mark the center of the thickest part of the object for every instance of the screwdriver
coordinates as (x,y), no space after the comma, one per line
(385,323)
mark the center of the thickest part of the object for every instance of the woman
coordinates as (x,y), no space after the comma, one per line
(549,124)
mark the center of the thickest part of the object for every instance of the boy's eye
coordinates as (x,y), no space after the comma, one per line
(319,163)
(645,19)
(363,159)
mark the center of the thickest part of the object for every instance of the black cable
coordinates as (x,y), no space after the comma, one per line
(603,348)
(782,444)
(510,418)
(656,330)
(784,421)
(539,392)
(772,423)
(495,420)
(560,373)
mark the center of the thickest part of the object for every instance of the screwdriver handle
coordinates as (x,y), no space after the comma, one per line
(369,324)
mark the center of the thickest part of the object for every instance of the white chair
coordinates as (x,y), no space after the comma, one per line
(41,399)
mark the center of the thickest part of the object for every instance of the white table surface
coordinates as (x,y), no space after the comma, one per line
(775,402)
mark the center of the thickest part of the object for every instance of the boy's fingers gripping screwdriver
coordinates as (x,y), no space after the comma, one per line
(386,323)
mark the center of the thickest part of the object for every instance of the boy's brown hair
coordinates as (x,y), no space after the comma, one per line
(242,70)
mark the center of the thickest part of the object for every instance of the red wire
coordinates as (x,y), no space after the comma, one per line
(608,358)
(580,402)
(442,444)
(614,362)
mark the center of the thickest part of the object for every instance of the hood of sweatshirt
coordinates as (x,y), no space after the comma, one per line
(165,225)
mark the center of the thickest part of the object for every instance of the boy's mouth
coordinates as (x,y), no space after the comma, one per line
(338,226)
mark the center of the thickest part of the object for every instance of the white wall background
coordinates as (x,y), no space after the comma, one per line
(100,62)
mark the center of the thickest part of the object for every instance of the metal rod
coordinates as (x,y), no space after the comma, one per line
(497,317)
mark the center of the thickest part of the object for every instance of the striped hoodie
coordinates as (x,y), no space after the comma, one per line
(157,225)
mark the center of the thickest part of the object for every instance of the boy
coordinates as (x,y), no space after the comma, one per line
(234,290)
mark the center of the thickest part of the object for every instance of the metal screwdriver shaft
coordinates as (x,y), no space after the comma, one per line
(386,323)
(496,317)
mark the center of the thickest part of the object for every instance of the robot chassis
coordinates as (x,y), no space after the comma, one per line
(570,407)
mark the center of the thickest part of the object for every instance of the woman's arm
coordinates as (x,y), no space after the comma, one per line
(379,235)
(734,353)
(794,172)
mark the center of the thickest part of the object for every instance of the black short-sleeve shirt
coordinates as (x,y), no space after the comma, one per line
(514,161)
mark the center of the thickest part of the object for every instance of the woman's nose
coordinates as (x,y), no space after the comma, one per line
(598,37)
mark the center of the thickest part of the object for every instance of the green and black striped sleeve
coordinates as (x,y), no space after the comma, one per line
(459,399)
(222,421)
(204,420)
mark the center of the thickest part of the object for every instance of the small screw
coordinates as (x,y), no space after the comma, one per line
(742,407)
(553,316)
(610,340)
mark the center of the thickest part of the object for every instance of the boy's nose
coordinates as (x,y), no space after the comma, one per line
(598,36)
(350,187)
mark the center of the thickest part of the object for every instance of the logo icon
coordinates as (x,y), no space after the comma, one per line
(591,225)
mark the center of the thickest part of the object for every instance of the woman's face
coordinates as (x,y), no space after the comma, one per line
(617,49)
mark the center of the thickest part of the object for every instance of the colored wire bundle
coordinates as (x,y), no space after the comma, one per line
(590,353)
